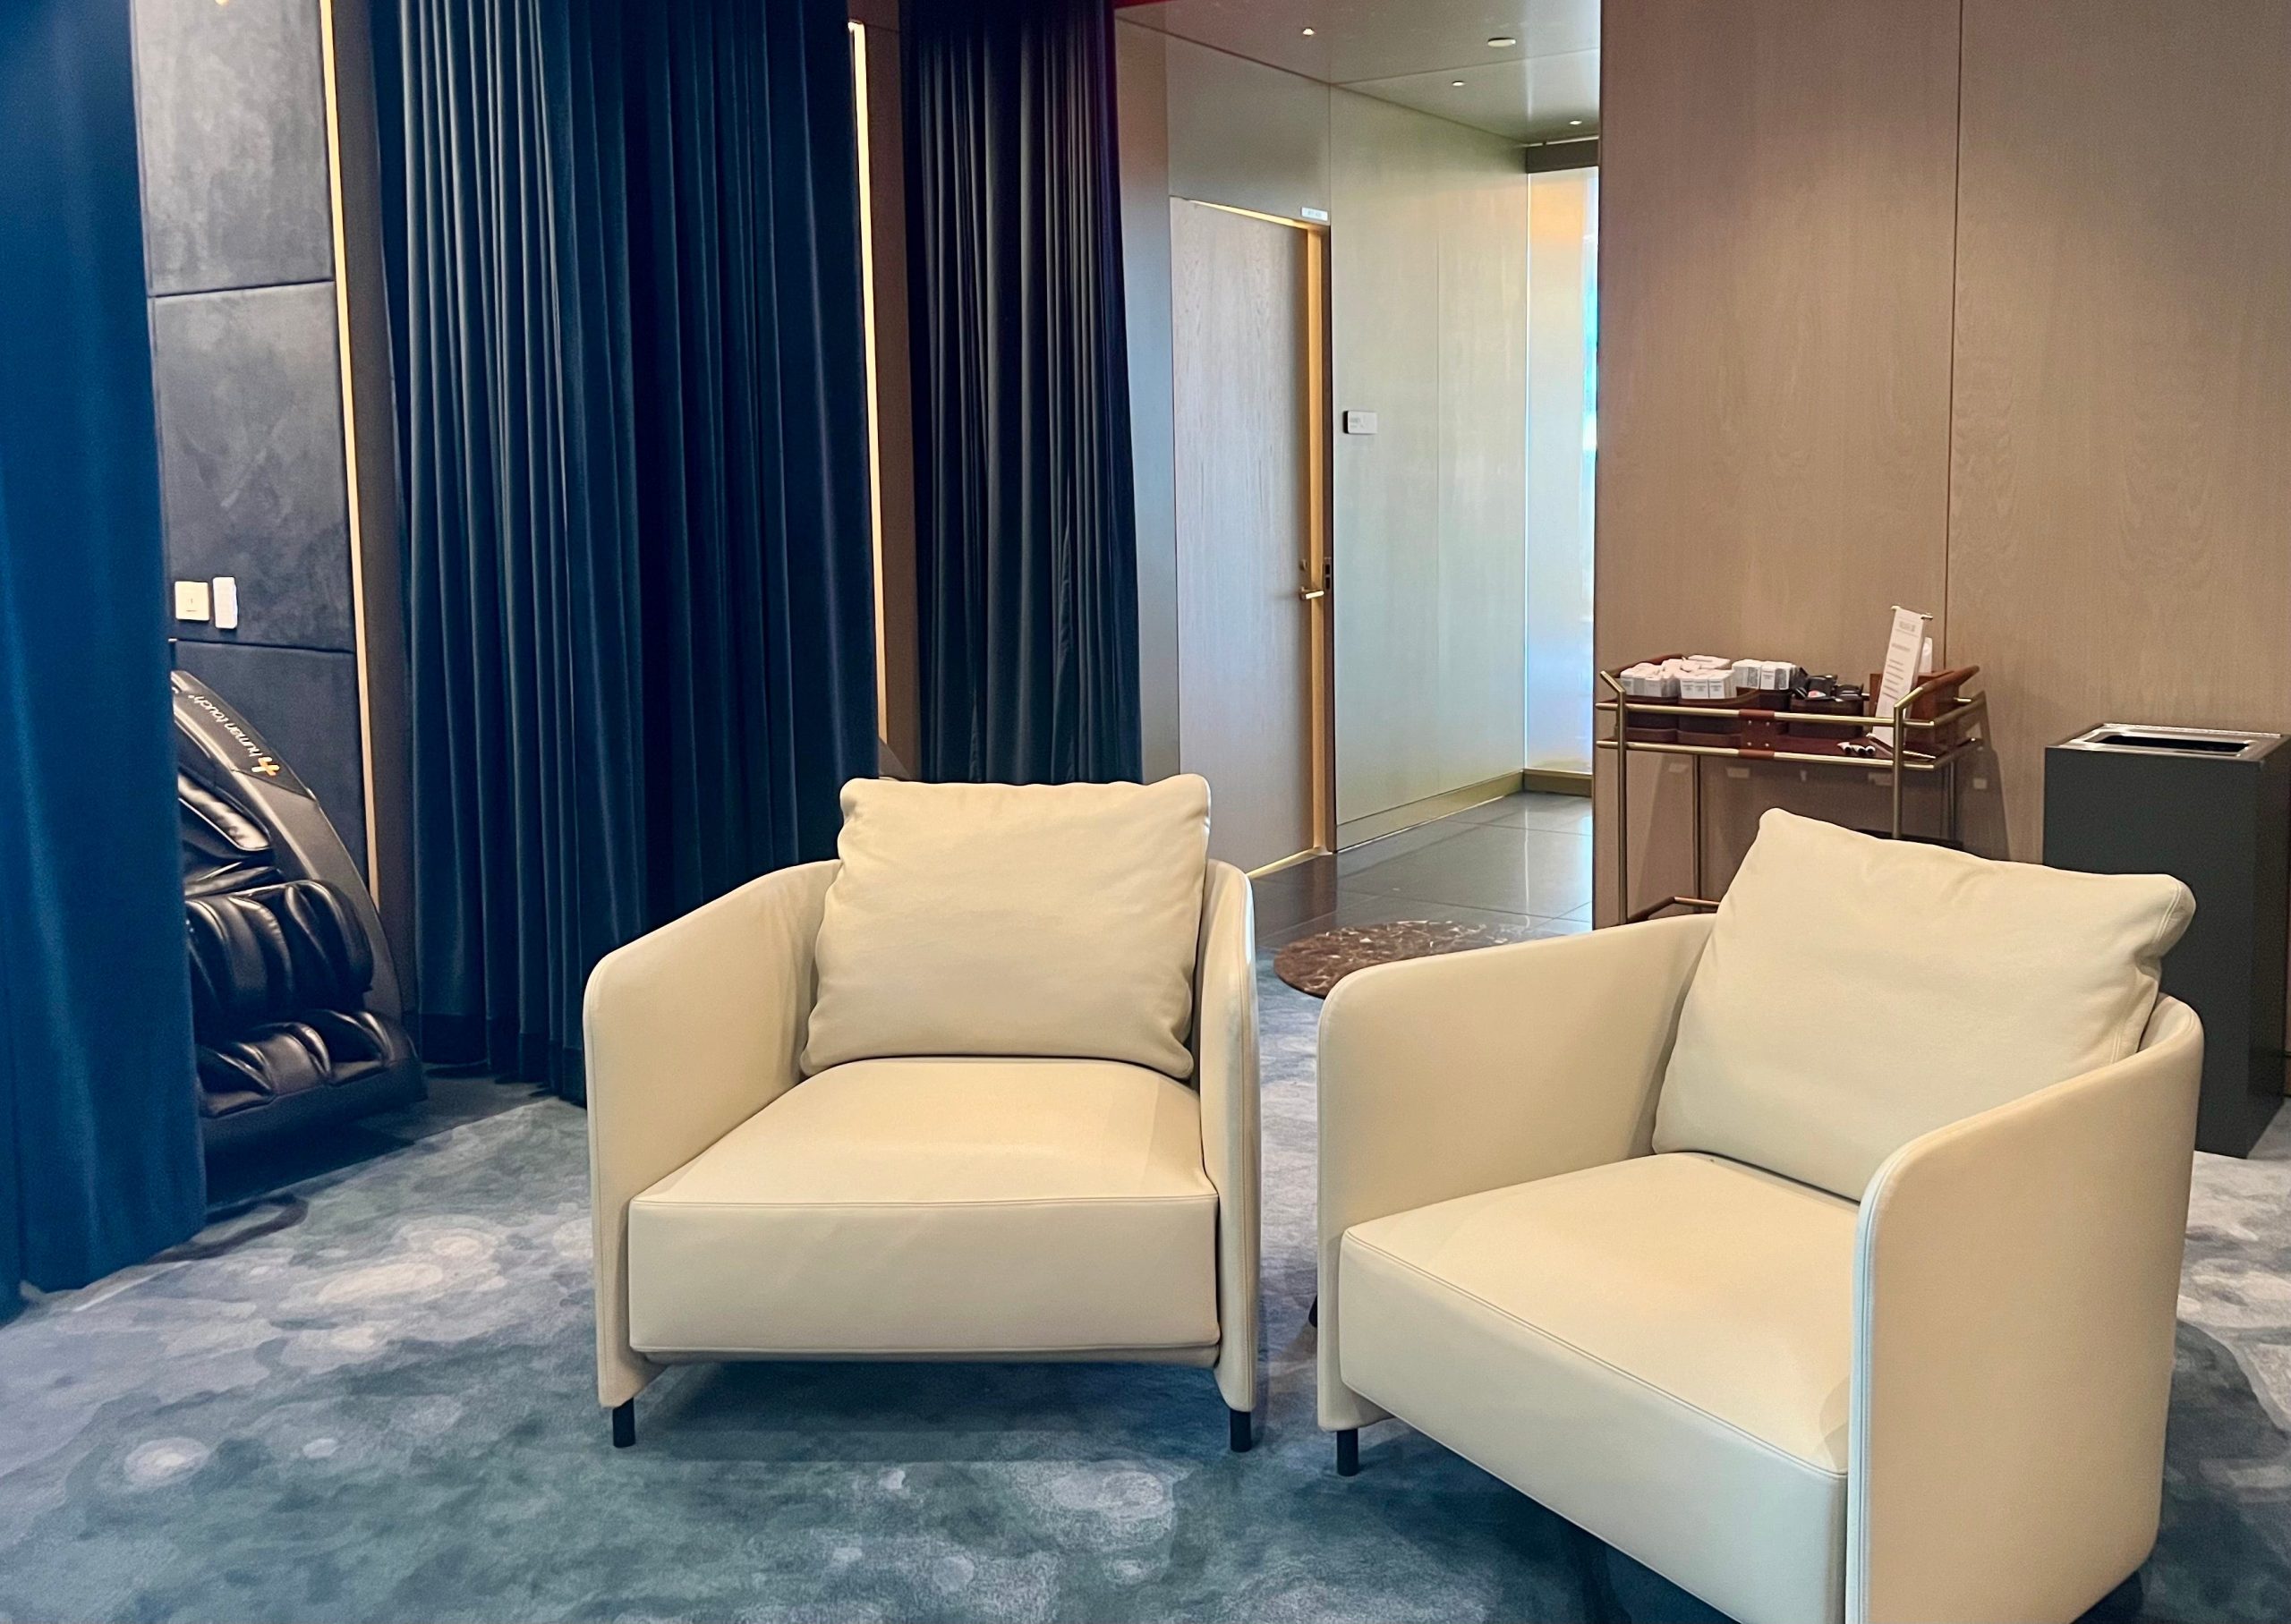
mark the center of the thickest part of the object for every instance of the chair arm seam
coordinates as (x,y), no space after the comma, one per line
(901,1354)
(1202,1198)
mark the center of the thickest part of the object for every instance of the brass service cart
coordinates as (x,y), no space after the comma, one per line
(1934,727)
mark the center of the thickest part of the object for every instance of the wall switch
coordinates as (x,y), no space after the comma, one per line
(193,600)
(227,603)
(1360,422)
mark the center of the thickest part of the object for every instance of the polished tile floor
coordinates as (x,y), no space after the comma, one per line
(1522,860)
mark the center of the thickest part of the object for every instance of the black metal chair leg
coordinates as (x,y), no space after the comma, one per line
(1348,1453)
(1239,1429)
(624,1425)
(1589,1556)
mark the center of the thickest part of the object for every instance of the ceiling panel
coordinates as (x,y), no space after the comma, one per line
(1534,99)
(1411,51)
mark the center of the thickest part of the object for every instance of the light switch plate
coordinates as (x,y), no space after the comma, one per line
(193,601)
(227,603)
(1360,422)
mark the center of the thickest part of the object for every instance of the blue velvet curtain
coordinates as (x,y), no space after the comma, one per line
(625,266)
(1026,533)
(99,1152)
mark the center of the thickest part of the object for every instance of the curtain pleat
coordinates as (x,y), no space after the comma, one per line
(1026,534)
(100,1163)
(624,247)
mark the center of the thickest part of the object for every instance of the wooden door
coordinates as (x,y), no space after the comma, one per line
(1251,613)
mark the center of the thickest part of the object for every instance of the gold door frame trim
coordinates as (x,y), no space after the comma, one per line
(1320,561)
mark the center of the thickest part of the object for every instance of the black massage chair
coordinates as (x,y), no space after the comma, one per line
(294,1001)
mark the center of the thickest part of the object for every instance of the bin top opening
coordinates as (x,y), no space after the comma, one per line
(2148,739)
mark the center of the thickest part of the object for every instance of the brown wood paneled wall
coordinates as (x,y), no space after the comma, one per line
(1903,301)
(2120,519)
(1777,183)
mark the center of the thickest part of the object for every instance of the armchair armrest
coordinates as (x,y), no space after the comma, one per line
(1225,1071)
(2016,1288)
(1442,1077)
(688,1032)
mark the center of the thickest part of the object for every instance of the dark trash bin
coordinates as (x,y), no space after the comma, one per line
(2213,807)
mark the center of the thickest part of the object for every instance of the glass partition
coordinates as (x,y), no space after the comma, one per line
(1563,445)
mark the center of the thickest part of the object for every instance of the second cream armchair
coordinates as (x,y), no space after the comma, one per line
(1822,1256)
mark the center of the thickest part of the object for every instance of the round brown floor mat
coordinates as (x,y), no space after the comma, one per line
(1315,963)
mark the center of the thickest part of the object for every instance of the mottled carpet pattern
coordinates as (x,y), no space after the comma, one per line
(383,1411)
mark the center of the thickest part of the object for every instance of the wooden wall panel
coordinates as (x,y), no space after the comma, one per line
(1481,702)
(1776,232)
(1385,249)
(1142,121)
(1244,134)
(2120,538)
(1429,248)
(898,721)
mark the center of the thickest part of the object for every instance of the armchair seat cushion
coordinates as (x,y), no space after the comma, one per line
(965,1207)
(1657,1350)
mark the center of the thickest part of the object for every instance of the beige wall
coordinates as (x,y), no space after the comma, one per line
(1428,247)
(2120,509)
(1192,122)
(1142,117)
(1244,134)
(1429,311)
(1895,311)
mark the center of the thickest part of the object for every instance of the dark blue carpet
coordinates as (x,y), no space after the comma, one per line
(384,1410)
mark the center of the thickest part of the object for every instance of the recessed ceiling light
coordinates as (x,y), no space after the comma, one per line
(1456,84)
(1574,124)
(1501,42)
(1306,32)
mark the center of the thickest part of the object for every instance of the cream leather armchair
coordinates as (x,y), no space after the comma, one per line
(1937,1393)
(970,1207)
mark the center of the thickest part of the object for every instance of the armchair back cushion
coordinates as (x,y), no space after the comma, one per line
(1857,993)
(1023,919)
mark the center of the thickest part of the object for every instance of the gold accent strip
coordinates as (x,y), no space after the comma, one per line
(1375,826)
(1317,228)
(1551,781)
(1290,862)
(874,388)
(350,443)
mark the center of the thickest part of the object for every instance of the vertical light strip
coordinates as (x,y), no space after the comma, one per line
(874,401)
(349,442)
